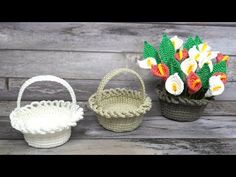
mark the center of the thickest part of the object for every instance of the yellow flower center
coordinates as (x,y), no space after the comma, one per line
(222,77)
(180,54)
(197,81)
(190,68)
(225,58)
(174,43)
(216,88)
(174,87)
(149,62)
(204,46)
(160,69)
(197,56)
(209,54)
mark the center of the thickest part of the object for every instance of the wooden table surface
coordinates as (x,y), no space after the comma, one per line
(82,53)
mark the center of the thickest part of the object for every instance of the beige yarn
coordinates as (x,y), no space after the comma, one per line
(120,109)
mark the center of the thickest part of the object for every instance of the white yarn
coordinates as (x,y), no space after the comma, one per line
(46,123)
(44,118)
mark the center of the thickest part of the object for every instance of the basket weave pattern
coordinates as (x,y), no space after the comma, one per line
(120,109)
(50,140)
(181,108)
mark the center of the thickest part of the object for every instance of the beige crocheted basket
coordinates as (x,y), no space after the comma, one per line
(46,124)
(120,109)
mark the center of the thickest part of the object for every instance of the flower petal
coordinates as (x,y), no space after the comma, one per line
(189,65)
(211,54)
(216,86)
(220,57)
(206,60)
(182,54)
(147,63)
(177,42)
(194,83)
(194,53)
(208,93)
(160,70)
(204,47)
(223,76)
(174,84)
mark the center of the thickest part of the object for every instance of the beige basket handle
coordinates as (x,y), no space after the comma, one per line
(45,78)
(114,73)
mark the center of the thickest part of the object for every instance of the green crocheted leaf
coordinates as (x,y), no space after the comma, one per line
(167,49)
(150,51)
(220,67)
(189,43)
(198,40)
(204,74)
(174,67)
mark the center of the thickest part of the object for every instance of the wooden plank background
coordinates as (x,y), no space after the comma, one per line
(80,53)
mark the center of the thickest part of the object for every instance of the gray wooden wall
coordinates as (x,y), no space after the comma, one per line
(82,53)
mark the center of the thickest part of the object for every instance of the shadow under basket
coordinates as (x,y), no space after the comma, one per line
(180,108)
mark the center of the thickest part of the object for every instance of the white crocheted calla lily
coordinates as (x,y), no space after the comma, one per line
(147,63)
(207,61)
(177,42)
(189,65)
(196,54)
(203,54)
(204,47)
(174,84)
(216,86)
(211,54)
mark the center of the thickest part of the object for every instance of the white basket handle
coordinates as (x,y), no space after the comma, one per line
(45,78)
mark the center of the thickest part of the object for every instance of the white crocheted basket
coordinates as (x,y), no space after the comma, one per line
(46,124)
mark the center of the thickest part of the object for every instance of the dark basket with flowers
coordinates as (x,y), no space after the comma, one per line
(192,75)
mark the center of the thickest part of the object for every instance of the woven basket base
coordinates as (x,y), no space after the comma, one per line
(180,112)
(120,124)
(48,140)
(120,106)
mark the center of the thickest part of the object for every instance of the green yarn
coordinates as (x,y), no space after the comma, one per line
(150,51)
(220,67)
(197,40)
(174,67)
(189,43)
(204,74)
(167,49)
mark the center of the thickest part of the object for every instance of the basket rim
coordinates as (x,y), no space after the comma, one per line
(18,123)
(180,99)
(143,108)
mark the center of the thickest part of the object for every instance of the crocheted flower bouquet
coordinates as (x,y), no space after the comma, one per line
(191,72)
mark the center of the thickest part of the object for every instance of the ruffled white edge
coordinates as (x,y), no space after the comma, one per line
(18,123)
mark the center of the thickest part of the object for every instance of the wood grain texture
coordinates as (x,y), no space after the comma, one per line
(221,108)
(126,146)
(151,127)
(111,37)
(78,65)
(3,85)
(75,65)
(82,88)
(85,88)
(233,24)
